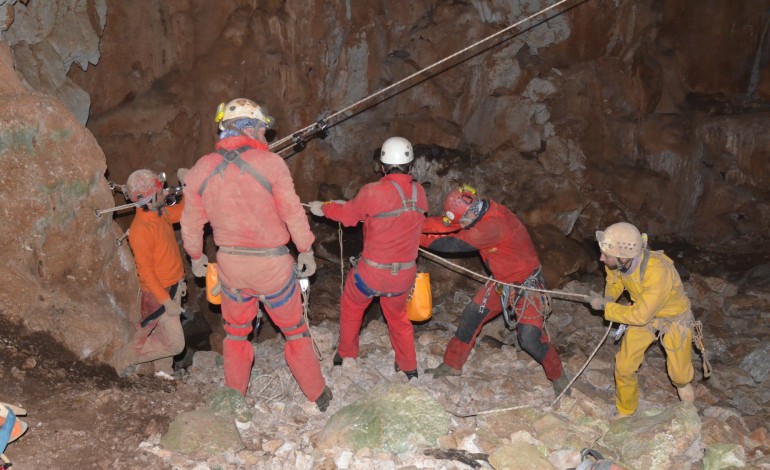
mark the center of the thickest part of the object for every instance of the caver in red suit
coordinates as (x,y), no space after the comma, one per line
(392,210)
(247,195)
(509,254)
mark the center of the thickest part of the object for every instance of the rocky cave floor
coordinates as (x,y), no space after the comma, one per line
(85,416)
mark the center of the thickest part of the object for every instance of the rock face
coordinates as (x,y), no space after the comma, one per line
(63,273)
(613,110)
(47,39)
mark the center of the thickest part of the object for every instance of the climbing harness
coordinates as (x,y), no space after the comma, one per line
(407,205)
(233,157)
(275,300)
(368,291)
(299,138)
(523,299)
(249,251)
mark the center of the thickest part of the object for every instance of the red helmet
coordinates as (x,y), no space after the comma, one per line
(458,201)
(143,184)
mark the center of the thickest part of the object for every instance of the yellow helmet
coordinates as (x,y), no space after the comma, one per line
(241,108)
(621,240)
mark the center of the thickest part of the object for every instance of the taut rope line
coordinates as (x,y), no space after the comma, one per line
(305,133)
(555,293)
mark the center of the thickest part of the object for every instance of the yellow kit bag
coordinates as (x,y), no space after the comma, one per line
(213,287)
(420,303)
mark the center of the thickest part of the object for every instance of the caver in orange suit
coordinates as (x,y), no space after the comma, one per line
(160,271)
(254,211)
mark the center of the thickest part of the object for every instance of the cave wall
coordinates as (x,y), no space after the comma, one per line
(639,110)
(647,111)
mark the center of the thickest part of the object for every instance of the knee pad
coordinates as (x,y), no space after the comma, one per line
(529,340)
(470,321)
(237,332)
(297,331)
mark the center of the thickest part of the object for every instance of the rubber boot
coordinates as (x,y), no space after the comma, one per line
(686,393)
(410,374)
(443,370)
(561,383)
(323,401)
(124,361)
(337,361)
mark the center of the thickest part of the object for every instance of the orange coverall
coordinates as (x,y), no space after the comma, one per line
(245,216)
(159,267)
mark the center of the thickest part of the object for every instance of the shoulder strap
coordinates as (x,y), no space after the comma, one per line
(234,157)
(407,205)
(643,264)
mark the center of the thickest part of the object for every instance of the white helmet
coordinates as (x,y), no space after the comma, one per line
(621,240)
(241,108)
(396,151)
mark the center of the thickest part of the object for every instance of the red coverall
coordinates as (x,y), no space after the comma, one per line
(508,253)
(159,267)
(386,240)
(244,214)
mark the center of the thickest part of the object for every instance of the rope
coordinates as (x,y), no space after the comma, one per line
(305,293)
(481,277)
(321,124)
(342,260)
(588,361)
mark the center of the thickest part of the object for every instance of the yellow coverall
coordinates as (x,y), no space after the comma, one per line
(659,307)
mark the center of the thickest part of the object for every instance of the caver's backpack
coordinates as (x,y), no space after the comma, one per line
(11,428)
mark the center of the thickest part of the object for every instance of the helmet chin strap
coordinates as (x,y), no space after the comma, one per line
(626,266)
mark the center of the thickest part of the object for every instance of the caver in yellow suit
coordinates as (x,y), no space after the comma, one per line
(659,309)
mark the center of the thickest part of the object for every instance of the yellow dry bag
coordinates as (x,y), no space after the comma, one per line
(213,287)
(420,303)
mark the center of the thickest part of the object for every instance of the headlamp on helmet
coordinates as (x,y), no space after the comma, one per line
(239,109)
(458,201)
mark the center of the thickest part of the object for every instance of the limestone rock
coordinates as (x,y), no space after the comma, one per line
(397,419)
(722,456)
(662,439)
(519,456)
(229,403)
(757,363)
(201,433)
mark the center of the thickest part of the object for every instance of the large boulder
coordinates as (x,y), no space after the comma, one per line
(64,273)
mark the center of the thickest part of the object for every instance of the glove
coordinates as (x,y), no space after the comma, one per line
(306,264)
(597,301)
(315,208)
(181,291)
(180,175)
(199,266)
(172,308)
